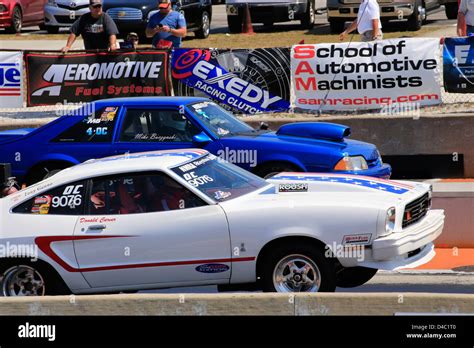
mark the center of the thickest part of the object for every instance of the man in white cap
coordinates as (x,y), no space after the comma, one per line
(166,25)
(97,28)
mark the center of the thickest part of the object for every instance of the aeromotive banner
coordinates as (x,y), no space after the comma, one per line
(89,76)
(458,64)
(11,79)
(246,81)
(359,75)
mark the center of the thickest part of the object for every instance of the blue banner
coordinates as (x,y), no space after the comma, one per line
(243,81)
(458,64)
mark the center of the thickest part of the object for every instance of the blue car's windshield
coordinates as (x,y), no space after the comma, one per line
(218,120)
(218,179)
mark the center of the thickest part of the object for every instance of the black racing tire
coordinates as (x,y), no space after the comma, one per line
(297,252)
(451,9)
(235,23)
(205,29)
(17,21)
(268,170)
(307,21)
(14,279)
(336,26)
(352,277)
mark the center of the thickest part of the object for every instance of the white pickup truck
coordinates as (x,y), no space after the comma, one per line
(272,11)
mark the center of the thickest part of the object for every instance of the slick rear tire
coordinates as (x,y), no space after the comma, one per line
(25,278)
(266,171)
(235,23)
(298,267)
(307,21)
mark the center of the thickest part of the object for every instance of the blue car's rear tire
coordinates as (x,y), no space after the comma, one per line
(270,169)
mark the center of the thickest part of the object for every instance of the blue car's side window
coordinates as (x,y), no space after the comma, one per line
(158,126)
(95,128)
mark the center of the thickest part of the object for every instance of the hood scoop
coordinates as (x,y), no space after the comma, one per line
(316,130)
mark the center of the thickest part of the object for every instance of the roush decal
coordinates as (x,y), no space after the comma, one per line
(212,268)
(298,187)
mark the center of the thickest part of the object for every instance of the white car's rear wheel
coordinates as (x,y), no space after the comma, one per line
(22,280)
(298,268)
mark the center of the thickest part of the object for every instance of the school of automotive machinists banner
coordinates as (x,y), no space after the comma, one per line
(89,76)
(358,75)
(458,64)
(245,81)
(11,79)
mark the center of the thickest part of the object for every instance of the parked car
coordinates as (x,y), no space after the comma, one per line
(451,8)
(273,11)
(116,126)
(16,14)
(134,16)
(190,219)
(63,13)
(413,11)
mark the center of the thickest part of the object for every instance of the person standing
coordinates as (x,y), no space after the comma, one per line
(97,28)
(166,26)
(465,26)
(367,22)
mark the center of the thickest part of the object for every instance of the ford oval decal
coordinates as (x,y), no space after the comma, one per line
(212,268)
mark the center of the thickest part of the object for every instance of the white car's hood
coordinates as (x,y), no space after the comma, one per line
(325,183)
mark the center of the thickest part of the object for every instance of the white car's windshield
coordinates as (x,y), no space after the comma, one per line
(218,179)
(218,120)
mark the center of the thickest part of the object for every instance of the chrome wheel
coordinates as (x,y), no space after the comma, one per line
(17,20)
(296,273)
(22,281)
(205,24)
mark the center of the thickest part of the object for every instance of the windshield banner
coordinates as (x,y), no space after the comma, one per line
(458,64)
(366,75)
(245,81)
(11,79)
(86,77)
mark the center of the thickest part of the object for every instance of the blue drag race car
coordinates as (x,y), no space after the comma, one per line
(116,126)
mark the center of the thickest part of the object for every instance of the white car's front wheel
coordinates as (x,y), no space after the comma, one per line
(298,268)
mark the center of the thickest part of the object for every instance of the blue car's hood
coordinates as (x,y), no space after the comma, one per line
(315,130)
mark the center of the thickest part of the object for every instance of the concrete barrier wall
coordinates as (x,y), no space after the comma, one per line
(241,304)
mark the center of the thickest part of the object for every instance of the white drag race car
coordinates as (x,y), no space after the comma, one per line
(186,218)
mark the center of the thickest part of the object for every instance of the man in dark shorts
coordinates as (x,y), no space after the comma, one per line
(97,28)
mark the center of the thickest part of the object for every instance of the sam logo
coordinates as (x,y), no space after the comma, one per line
(212,268)
(10,79)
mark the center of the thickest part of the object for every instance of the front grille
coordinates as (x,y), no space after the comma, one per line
(66,19)
(125,13)
(416,210)
(73,8)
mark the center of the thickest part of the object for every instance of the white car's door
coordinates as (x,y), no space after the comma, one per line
(148,229)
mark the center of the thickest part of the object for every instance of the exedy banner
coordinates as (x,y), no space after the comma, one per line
(89,76)
(458,64)
(241,80)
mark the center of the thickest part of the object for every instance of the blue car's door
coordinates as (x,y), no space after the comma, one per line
(89,138)
(149,129)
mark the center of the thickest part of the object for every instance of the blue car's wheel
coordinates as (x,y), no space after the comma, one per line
(266,171)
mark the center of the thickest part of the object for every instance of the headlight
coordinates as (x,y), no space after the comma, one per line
(390,220)
(3,8)
(352,163)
